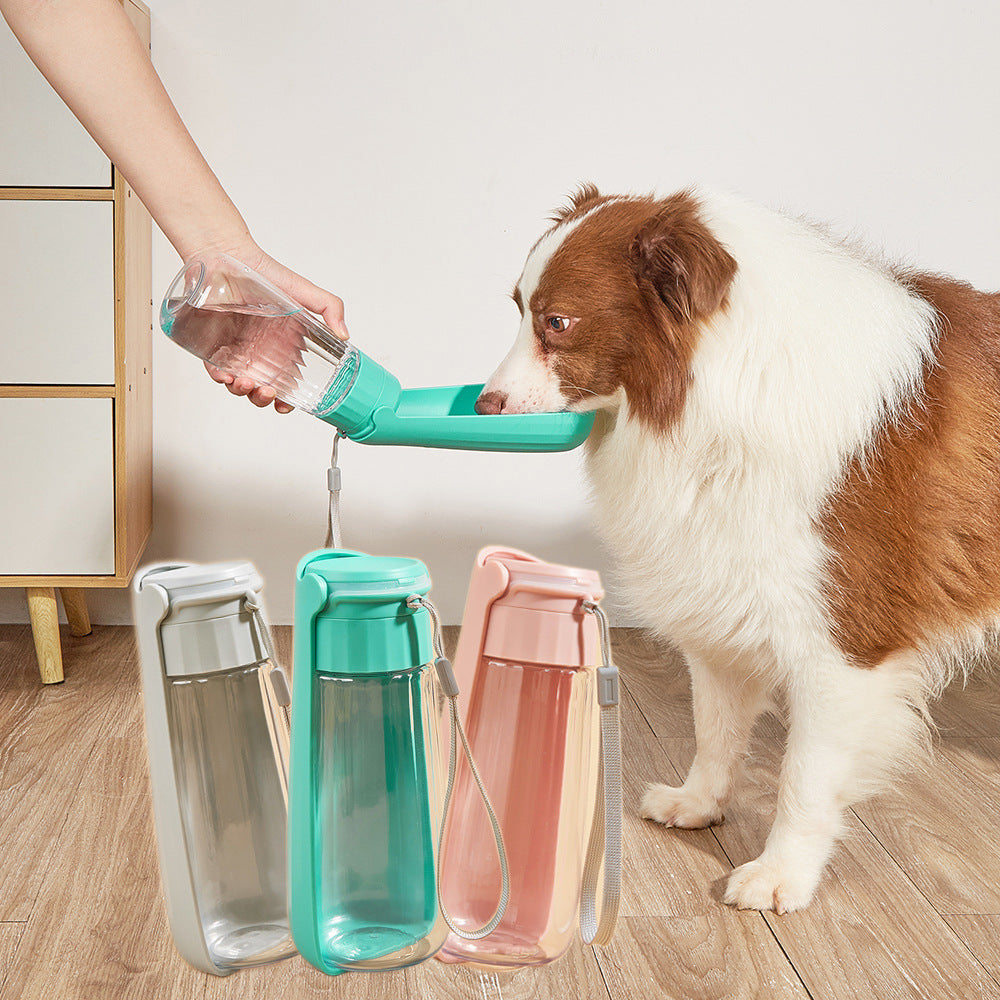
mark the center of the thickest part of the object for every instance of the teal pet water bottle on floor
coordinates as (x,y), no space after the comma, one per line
(365,781)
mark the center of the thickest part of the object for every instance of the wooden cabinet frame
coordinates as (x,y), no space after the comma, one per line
(132,404)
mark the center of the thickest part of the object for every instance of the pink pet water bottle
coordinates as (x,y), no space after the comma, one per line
(534,698)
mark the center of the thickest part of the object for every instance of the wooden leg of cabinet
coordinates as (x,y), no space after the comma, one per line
(45,630)
(75,604)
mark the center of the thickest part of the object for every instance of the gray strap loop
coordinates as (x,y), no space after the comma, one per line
(334,540)
(606,830)
(449,687)
(279,698)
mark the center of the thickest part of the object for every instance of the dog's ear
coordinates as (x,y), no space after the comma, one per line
(676,255)
(585,197)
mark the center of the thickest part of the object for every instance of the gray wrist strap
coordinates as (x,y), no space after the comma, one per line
(276,694)
(606,830)
(333,535)
(449,686)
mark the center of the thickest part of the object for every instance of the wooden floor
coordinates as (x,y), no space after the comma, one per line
(909,908)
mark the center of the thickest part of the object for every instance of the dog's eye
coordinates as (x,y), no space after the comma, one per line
(558,324)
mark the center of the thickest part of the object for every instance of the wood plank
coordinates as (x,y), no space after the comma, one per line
(576,974)
(55,194)
(942,827)
(133,365)
(656,675)
(295,979)
(98,905)
(972,708)
(63,581)
(47,735)
(869,933)
(665,872)
(675,935)
(980,933)
(10,935)
(57,392)
(721,954)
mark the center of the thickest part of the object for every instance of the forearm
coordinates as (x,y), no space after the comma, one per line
(91,55)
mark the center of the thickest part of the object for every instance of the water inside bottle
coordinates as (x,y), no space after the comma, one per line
(233,815)
(290,351)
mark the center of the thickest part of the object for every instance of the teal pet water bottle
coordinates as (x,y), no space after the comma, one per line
(365,781)
(227,314)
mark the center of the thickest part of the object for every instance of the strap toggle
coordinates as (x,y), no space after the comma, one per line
(446,677)
(607,685)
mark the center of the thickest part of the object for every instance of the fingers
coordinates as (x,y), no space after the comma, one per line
(218,374)
(329,306)
(314,298)
(260,395)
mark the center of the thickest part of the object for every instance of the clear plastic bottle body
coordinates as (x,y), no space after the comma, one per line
(233,815)
(530,729)
(221,311)
(378,798)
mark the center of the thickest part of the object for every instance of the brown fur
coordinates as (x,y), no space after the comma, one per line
(642,343)
(915,527)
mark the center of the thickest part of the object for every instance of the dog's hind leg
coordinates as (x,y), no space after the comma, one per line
(849,729)
(727,702)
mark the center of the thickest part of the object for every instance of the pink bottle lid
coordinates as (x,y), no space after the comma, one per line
(525,610)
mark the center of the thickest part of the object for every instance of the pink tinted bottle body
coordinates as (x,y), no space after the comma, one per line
(528,725)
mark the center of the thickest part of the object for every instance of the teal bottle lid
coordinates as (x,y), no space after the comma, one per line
(361,389)
(351,613)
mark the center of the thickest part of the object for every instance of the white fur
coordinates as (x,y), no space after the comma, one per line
(714,527)
(529,384)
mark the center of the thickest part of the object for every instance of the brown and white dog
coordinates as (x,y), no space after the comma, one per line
(798,467)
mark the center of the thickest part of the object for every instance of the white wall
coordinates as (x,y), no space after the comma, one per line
(406,157)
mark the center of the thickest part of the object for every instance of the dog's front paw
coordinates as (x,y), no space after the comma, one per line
(762,885)
(679,807)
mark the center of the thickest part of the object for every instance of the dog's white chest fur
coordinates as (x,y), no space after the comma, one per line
(714,553)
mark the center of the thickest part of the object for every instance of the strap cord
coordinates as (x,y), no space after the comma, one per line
(277,693)
(446,677)
(334,539)
(606,830)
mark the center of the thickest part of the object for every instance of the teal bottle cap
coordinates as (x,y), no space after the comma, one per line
(350,609)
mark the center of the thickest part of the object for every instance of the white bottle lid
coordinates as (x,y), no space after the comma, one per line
(206,627)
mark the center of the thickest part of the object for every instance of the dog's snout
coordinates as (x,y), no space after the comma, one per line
(491,402)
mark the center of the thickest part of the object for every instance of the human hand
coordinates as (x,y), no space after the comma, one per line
(324,304)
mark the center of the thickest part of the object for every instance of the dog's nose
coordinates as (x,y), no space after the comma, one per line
(491,402)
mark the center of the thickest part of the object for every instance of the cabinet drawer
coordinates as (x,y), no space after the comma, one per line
(57,507)
(57,325)
(43,144)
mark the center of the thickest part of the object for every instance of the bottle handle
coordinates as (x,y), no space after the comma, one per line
(605,843)
(446,678)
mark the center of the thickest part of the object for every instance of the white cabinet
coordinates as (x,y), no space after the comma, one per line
(59,495)
(57,286)
(41,143)
(76,466)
